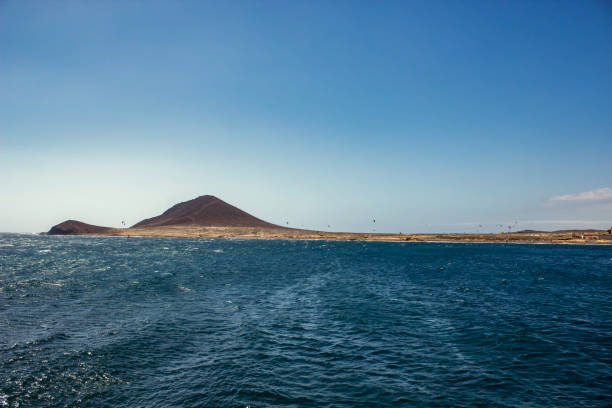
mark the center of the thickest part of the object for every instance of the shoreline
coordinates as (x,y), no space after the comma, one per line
(209,217)
(555,237)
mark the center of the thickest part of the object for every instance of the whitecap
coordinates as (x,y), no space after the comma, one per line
(44,251)
(218,251)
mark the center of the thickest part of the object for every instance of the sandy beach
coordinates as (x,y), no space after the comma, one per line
(556,237)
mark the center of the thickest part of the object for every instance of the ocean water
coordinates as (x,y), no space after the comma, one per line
(169,322)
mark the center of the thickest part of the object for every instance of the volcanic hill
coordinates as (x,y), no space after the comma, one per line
(204,211)
(73,227)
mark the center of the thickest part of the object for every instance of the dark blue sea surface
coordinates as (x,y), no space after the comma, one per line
(160,322)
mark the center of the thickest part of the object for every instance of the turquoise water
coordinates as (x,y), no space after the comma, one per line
(143,322)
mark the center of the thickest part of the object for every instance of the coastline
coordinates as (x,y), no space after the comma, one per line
(207,216)
(556,237)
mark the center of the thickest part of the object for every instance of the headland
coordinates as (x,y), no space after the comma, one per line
(209,217)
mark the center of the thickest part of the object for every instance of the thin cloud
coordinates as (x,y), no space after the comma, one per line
(599,194)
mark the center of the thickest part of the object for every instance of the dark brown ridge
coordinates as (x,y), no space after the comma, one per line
(204,211)
(73,227)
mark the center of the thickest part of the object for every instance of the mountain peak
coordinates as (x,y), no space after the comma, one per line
(204,211)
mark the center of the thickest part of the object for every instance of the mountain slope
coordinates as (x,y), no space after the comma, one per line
(73,227)
(204,211)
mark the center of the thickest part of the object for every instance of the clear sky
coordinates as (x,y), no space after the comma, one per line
(428,116)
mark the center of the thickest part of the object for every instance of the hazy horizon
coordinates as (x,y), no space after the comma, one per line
(449,117)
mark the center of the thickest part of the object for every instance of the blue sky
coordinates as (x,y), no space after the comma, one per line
(449,116)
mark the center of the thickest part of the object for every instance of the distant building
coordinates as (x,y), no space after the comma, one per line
(589,236)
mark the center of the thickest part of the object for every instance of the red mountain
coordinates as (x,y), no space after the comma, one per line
(204,211)
(72,227)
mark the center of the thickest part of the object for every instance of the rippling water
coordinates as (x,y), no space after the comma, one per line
(144,322)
